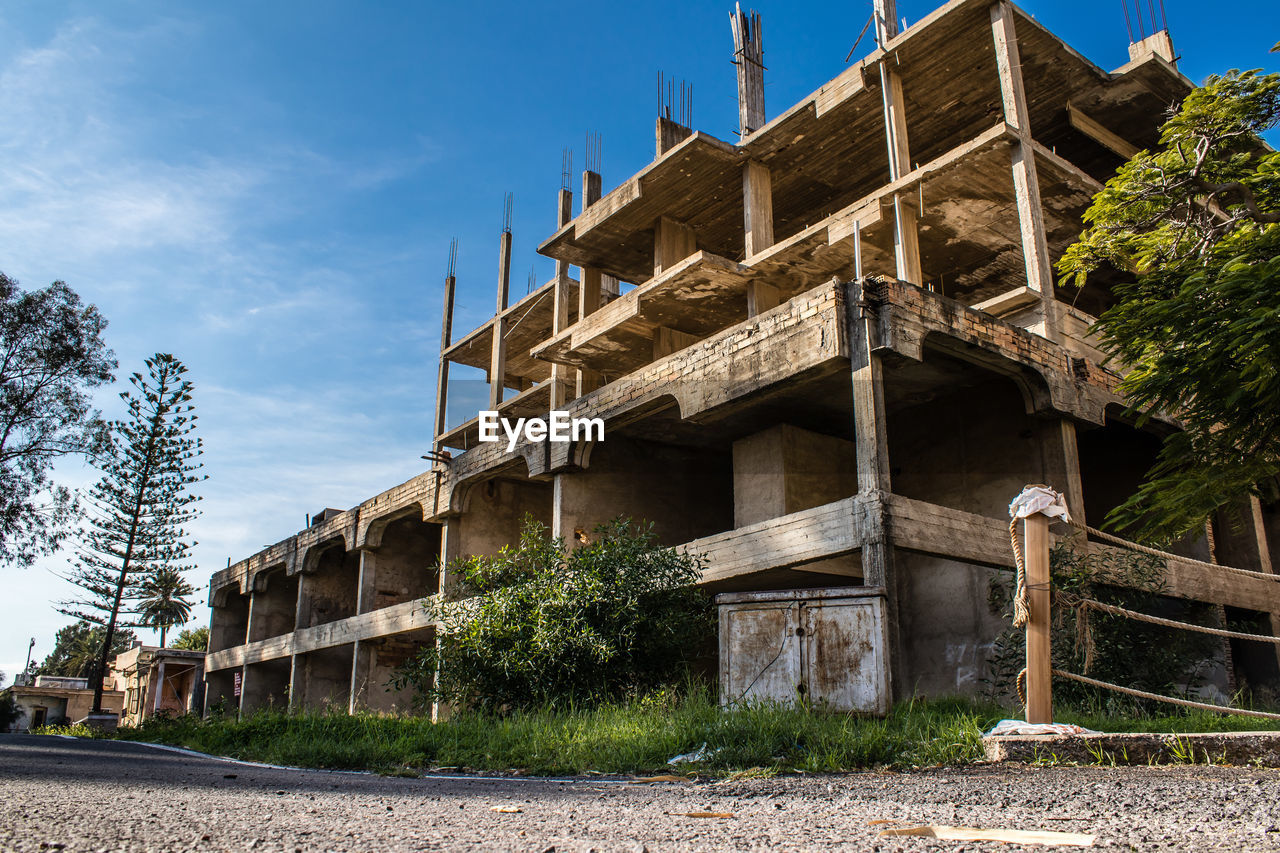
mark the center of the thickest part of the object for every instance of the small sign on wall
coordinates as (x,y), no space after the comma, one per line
(235,690)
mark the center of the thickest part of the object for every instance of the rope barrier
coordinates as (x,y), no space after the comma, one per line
(1082,605)
(1153,552)
(1186,703)
(1093,604)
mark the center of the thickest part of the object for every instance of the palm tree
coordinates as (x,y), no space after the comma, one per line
(163,601)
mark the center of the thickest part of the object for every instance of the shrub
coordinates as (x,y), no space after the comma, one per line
(539,625)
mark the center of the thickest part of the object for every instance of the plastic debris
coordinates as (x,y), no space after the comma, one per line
(506,809)
(1006,728)
(1035,499)
(698,756)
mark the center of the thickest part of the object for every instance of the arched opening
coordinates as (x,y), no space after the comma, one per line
(405,566)
(493,511)
(266,685)
(332,591)
(274,606)
(229,619)
(960,435)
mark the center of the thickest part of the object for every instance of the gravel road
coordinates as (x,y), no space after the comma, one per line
(64,794)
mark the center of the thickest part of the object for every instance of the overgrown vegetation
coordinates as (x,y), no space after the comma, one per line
(638,737)
(1195,225)
(541,625)
(1109,648)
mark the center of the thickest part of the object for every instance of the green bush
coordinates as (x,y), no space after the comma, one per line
(542,626)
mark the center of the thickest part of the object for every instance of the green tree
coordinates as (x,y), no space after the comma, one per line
(141,503)
(193,639)
(76,648)
(1196,224)
(162,602)
(51,356)
(542,626)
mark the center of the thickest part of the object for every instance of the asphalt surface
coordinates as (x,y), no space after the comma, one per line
(63,794)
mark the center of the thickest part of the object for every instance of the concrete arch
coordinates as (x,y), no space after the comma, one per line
(311,557)
(461,490)
(374,528)
(260,577)
(221,596)
(1037,390)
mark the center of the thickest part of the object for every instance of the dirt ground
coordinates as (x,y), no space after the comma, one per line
(65,794)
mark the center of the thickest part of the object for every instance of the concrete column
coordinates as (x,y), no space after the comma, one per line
(591,285)
(560,307)
(672,242)
(757,208)
(368,580)
(871,441)
(1035,248)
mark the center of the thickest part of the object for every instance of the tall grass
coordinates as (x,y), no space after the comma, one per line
(638,737)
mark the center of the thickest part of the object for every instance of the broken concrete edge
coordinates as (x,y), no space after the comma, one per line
(1258,748)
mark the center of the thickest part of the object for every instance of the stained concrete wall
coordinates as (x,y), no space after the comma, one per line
(266,685)
(495,511)
(330,592)
(972,449)
(685,492)
(273,609)
(946,624)
(220,688)
(376,664)
(322,679)
(229,622)
(404,566)
(786,469)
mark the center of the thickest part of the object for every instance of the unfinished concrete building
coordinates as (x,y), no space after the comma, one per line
(826,356)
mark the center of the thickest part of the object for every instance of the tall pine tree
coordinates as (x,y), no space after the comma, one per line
(141,505)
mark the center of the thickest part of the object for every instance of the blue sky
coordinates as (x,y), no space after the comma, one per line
(268,190)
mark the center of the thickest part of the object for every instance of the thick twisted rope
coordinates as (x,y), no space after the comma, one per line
(1153,552)
(1021,598)
(1092,604)
(1186,703)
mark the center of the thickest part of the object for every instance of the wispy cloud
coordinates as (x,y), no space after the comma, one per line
(310,373)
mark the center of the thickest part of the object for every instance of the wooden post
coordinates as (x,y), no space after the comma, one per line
(1035,539)
(1259,525)
(498,353)
(1026,186)
(442,377)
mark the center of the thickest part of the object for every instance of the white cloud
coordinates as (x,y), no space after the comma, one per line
(312,383)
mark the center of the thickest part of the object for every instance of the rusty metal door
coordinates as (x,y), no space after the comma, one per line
(842,653)
(760,655)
